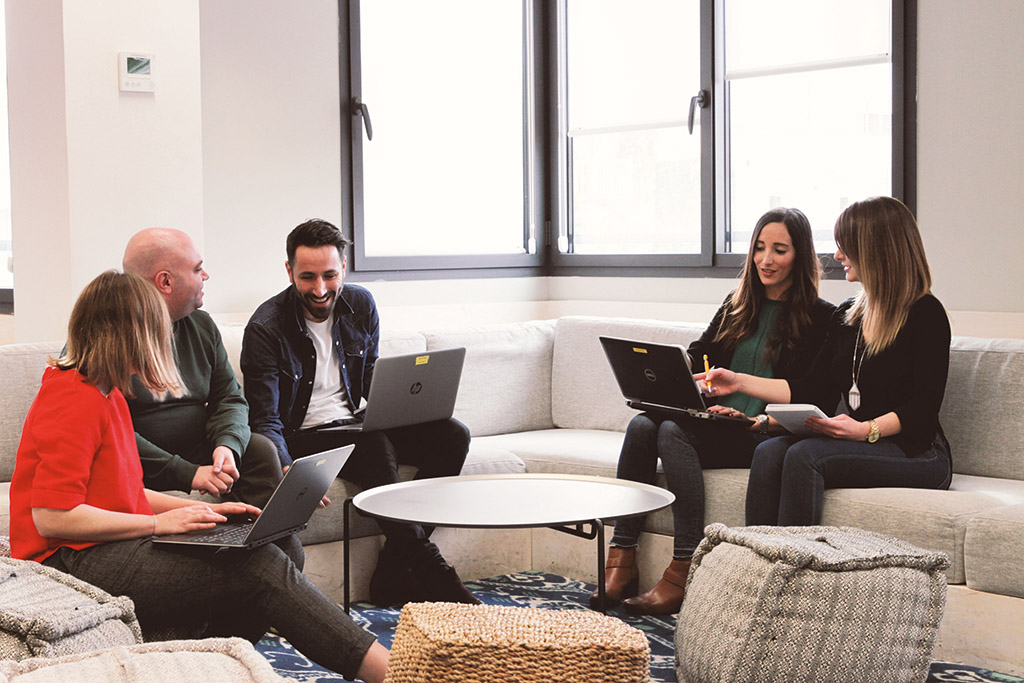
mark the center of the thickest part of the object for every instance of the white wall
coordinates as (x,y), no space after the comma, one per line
(971,156)
(241,142)
(40,212)
(91,165)
(271,140)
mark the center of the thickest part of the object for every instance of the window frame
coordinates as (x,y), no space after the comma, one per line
(544,67)
(561,221)
(461,265)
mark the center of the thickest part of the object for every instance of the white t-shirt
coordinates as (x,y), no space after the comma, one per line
(329,401)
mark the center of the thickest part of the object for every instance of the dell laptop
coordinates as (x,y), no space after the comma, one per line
(658,378)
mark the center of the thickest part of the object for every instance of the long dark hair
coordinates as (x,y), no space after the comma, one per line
(799,300)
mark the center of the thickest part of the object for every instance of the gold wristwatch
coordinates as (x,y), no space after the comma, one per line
(873,432)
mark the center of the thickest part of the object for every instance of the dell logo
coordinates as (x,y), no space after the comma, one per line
(649,374)
(415,388)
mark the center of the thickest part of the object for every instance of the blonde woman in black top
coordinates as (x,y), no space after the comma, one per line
(886,359)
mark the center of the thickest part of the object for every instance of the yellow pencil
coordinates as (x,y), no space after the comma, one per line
(707,369)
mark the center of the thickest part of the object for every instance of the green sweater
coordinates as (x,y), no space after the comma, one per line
(177,435)
(749,358)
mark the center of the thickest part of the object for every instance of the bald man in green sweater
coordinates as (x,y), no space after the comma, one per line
(202,441)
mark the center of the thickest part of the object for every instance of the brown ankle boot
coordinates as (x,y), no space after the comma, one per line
(621,578)
(667,595)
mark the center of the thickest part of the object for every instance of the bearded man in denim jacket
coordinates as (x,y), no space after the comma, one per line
(307,359)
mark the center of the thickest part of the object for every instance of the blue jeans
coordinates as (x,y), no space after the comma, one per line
(685,448)
(789,474)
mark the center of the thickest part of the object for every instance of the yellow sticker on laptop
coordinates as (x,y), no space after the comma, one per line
(637,349)
(422,360)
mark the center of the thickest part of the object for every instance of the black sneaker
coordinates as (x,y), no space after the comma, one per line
(445,585)
(393,583)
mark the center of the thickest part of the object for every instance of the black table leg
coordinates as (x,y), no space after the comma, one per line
(596,531)
(599,526)
(347,511)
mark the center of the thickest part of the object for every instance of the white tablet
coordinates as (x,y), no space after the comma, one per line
(792,415)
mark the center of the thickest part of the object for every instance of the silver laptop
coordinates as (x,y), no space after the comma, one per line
(657,377)
(407,390)
(288,510)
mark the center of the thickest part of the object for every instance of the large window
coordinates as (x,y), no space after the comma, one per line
(807,89)
(444,89)
(632,170)
(580,134)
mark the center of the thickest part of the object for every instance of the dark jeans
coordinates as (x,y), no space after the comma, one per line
(259,469)
(438,449)
(789,474)
(259,472)
(235,592)
(686,448)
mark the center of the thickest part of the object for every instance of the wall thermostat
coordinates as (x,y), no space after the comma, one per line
(135,72)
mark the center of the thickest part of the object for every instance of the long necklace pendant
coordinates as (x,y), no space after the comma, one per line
(853,397)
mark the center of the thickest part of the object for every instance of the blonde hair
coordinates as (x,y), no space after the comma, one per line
(120,327)
(881,238)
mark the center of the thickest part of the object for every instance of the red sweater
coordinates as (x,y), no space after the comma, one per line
(77,447)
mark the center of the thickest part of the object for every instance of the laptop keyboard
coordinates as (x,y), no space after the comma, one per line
(233,534)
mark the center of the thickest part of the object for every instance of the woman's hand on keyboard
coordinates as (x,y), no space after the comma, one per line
(198,516)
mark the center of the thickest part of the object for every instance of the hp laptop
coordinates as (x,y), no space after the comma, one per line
(288,510)
(658,378)
(409,390)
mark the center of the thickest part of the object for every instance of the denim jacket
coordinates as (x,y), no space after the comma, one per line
(278,359)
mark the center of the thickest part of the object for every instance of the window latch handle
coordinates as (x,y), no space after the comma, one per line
(698,100)
(359,107)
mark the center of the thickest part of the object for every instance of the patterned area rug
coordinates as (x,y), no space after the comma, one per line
(548,591)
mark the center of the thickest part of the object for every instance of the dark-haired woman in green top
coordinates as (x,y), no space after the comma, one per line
(772,325)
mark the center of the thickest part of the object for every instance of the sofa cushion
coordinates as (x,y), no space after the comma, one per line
(231,335)
(993,549)
(562,451)
(506,381)
(21,368)
(985,385)
(584,394)
(936,520)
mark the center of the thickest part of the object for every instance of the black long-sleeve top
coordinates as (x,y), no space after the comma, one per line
(907,378)
(788,363)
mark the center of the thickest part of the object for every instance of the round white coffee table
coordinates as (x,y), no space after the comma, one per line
(563,502)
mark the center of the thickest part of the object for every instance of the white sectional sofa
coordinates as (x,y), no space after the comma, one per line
(539,397)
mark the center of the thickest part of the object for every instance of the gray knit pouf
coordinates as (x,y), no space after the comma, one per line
(808,603)
(47,613)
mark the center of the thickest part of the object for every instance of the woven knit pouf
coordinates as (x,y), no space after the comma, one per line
(443,642)
(808,603)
